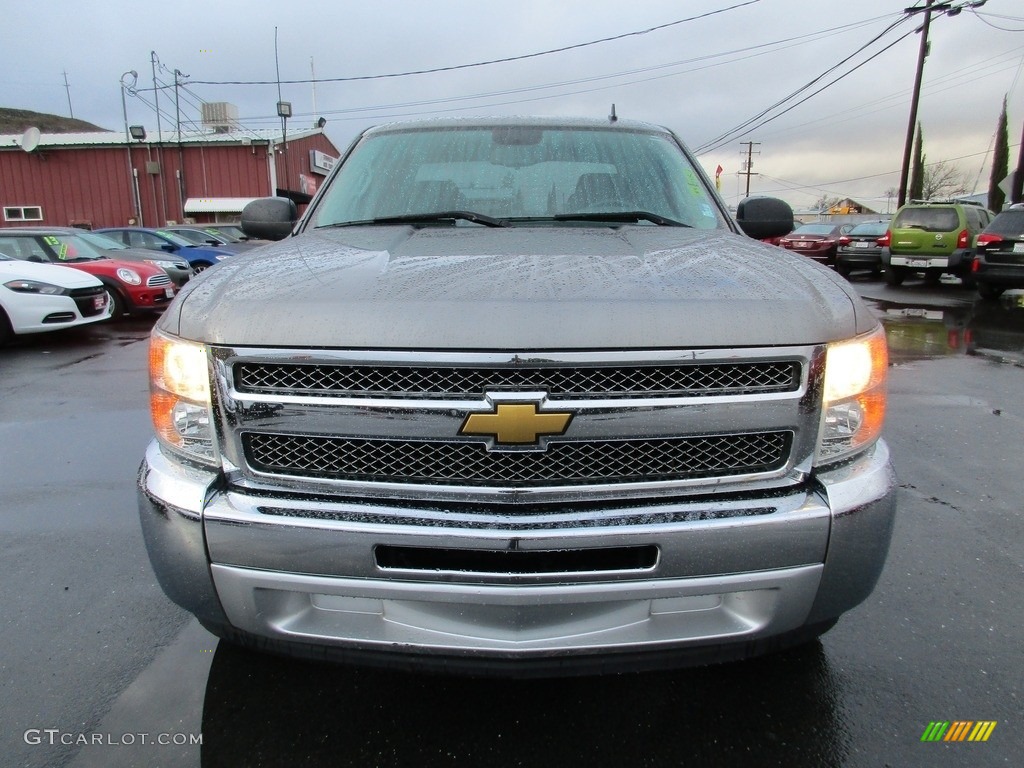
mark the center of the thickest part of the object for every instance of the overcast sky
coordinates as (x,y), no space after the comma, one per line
(702,67)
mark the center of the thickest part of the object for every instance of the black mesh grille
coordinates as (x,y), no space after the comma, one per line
(85,300)
(563,463)
(473,382)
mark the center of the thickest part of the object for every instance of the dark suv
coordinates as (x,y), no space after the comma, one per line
(932,238)
(999,254)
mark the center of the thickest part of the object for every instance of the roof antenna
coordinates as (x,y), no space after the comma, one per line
(613,117)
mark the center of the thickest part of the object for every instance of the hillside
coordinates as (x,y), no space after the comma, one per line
(17,120)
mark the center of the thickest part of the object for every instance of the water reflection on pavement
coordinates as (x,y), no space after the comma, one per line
(917,331)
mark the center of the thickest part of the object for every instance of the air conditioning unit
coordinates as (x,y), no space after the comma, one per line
(220,116)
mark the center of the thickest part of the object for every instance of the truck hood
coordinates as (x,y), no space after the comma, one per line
(528,288)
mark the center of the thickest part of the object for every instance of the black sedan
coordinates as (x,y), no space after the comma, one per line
(859,249)
(999,254)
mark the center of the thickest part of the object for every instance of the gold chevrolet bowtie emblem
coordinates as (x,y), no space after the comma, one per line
(516,424)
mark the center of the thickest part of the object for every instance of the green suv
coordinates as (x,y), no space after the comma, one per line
(933,238)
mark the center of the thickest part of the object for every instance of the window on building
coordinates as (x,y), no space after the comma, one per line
(23,213)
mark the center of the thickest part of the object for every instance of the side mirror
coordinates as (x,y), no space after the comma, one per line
(269,218)
(169,247)
(764,217)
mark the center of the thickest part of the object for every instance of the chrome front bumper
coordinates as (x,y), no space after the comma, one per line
(302,570)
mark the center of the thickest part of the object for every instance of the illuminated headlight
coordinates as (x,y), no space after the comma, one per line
(129,276)
(853,407)
(34,286)
(179,398)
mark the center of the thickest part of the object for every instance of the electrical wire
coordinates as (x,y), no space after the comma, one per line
(753,51)
(507,59)
(751,124)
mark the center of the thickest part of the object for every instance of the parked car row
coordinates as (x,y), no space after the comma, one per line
(43,297)
(925,238)
(60,277)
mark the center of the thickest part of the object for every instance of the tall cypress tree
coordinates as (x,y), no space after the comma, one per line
(915,190)
(1000,163)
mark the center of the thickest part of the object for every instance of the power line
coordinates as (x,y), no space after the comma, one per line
(754,51)
(455,67)
(749,124)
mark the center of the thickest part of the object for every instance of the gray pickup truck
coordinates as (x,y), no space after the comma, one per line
(518,396)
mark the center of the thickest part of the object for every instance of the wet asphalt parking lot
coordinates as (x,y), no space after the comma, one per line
(100,669)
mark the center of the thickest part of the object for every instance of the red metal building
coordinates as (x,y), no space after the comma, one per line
(108,179)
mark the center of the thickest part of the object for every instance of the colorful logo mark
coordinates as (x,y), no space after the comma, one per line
(959,730)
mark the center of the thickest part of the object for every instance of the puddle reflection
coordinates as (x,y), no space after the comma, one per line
(921,332)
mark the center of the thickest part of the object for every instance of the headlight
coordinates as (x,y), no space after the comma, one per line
(853,407)
(129,276)
(220,256)
(34,286)
(161,264)
(179,387)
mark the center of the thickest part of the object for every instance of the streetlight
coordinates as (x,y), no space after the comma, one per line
(128,81)
(284,111)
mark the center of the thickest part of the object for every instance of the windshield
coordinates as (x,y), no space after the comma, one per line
(873,229)
(198,237)
(814,229)
(1007,223)
(73,248)
(524,173)
(175,238)
(103,242)
(930,219)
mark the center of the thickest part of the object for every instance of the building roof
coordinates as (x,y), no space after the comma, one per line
(116,138)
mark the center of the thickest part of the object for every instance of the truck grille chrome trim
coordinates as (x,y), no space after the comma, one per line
(466,382)
(564,463)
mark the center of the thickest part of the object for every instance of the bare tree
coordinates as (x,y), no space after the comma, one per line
(890,193)
(825,202)
(942,180)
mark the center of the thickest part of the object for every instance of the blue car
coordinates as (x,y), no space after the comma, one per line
(200,257)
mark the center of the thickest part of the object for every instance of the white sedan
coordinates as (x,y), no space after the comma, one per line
(44,297)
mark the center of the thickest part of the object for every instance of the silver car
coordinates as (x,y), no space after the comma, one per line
(518,396)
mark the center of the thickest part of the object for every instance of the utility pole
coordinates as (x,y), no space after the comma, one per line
(915,98)
(929,6)
(1017,189)
(68,89)
(749,162)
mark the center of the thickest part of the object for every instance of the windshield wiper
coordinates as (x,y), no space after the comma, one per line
(621,216)
(423,218)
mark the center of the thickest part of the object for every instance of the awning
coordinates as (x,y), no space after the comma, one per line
(217,204)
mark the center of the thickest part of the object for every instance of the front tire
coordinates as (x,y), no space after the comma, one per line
(116,303)
(6,331)
(990,292)
(894,276)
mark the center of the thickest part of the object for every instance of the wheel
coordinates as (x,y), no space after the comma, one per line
(895,275)
(6,331)
(200,266)
(116,303)
(990,292)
